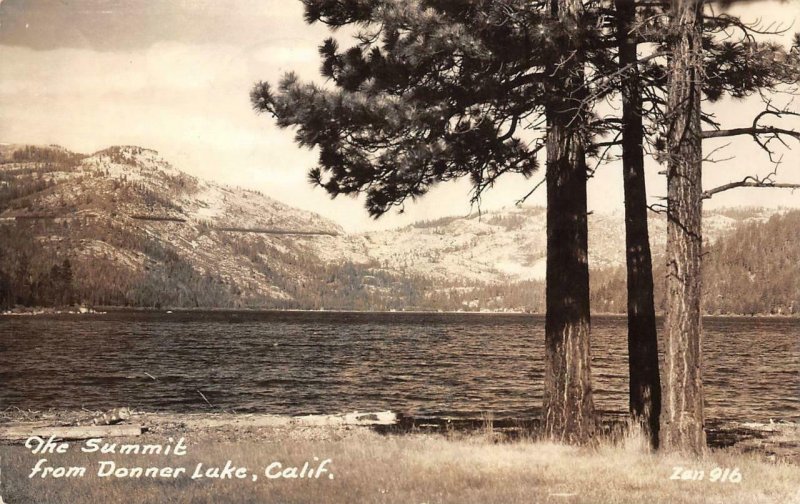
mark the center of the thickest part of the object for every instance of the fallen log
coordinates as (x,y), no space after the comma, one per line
(193,421)
(22,431)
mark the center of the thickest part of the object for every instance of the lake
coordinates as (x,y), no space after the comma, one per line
(424,365)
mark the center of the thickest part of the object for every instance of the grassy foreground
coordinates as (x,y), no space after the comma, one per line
(413,468)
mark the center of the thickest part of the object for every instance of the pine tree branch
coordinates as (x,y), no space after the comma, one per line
(748,183)
(609,143)
(757,132)
(766,130)
(658,208)
(511,129)
(752,181)
(724,21)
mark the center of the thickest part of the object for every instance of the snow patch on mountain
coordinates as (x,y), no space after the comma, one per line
(128,195)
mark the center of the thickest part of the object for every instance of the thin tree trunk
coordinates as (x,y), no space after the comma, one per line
(568,406)
(682,421)
(645,382)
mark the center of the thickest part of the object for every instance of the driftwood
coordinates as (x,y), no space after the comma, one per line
(355,418)
(23,431)
(225,420)
(112,417)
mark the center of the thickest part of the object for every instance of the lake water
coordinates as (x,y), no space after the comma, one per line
(454,365)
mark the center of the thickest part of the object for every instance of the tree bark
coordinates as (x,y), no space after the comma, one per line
(682,421)
(645,382)
(568,406)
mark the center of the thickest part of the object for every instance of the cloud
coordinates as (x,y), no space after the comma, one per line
(121,25)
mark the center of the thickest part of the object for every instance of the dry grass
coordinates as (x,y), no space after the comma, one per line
(414,468)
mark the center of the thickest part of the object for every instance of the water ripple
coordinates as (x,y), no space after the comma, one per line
(422,364)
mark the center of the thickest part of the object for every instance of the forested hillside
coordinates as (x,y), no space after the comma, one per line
(123,227)
(755,269)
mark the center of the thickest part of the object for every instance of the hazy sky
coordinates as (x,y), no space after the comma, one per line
(175,75)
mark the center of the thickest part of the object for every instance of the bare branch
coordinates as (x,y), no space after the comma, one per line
(752,181)
(657,208)
(709,158)
(607,144)
(522,199)
(762,135)
(764,130)
(746,183)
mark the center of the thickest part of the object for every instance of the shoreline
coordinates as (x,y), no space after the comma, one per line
(772,441)
(104,310)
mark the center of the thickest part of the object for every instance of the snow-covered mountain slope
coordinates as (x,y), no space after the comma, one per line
(124,207)
(506,245)
(139,231)
(497,246)
(193,199)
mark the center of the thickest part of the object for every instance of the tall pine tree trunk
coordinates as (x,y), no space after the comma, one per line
(682,421)
(568,406)
(645,383)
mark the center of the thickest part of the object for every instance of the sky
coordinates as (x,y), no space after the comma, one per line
(175,76)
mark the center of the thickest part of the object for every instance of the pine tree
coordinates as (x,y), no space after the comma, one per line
(731,65)
(437,90)
(683,413)
(644,377)
(65,283)
(706,62)
(568,404)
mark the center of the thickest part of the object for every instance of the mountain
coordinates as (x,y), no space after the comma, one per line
(137,231)
(123,227)
(509,245)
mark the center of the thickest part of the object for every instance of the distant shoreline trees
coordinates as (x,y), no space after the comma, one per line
(52,287)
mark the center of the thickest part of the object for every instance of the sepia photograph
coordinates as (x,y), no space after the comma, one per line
(400,251)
